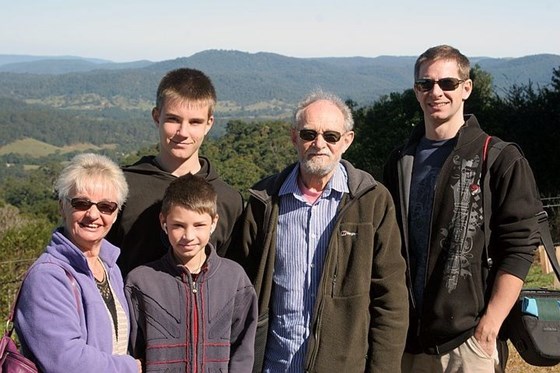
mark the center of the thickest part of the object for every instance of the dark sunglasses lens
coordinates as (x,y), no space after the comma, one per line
(425,84)
(307,135)
(106,207)
(85,204)
(81,204)
(448,84)
(331,136)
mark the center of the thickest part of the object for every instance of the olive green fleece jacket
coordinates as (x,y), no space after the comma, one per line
(360,316)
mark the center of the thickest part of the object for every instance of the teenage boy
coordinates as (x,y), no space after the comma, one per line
(191,310)
(183,116)
(456,311)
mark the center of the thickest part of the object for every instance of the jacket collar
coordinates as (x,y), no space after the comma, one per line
(148,165)
(358,182)
(177,269)
(469,132)
(63,249)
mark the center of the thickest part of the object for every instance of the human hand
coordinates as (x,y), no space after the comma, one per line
(486,334)
(139,364)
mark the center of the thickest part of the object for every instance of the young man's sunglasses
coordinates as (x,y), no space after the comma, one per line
(446,84)
(332,137)
(83,204)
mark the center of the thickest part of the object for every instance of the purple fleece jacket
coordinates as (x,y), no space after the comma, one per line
(56,332)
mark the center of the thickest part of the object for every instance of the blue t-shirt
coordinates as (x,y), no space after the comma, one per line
(428,160)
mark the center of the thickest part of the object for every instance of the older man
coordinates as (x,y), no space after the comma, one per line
(321,244)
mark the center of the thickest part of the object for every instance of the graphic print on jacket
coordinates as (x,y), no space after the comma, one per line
(467,218)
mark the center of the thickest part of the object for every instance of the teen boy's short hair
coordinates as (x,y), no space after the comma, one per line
(444,52)
(187,85)
(191,192)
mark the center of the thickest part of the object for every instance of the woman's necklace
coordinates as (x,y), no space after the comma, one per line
(103,285)
(104,289)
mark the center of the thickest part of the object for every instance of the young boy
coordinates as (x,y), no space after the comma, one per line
(183,115)
(191,310)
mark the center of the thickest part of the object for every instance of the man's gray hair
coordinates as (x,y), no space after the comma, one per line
(319,95)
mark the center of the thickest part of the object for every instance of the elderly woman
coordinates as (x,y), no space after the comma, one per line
(72,313)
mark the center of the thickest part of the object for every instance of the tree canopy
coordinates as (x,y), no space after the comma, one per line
(249,151)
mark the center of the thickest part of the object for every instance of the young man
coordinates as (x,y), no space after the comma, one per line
(192,311)
(183,116)
(435,179)
(322,246)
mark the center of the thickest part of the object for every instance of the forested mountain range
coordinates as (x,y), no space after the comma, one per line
(246,78)
(67,99)
(61,65)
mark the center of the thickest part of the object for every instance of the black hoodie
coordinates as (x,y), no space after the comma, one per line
(137,230)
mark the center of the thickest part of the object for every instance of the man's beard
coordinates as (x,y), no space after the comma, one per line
(319,169)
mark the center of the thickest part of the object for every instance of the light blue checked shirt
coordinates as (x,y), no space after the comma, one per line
(304,231)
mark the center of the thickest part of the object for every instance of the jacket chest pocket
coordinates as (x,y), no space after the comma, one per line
(354,257)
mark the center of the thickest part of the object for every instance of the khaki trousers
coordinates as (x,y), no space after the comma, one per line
(467,358)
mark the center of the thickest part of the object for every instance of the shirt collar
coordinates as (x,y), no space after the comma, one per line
(338,182)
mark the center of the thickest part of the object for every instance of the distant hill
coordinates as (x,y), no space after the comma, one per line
(63,66)
(241,78)
(36,148)
(17,58)
(61,127)
(244,78)
(44,97)
(536,69)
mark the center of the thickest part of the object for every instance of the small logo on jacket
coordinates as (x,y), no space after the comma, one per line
(346,233)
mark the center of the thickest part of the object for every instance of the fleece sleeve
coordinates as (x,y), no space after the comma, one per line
(515,203)
(52,330)
(243,328)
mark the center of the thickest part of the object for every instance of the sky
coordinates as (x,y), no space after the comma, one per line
(157,30)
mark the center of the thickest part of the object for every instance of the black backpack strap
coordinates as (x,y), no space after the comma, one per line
(489,155)
(487,200)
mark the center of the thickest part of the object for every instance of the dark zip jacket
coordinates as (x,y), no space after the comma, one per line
(137,231)
(457,284)
(360,315)
(183,325)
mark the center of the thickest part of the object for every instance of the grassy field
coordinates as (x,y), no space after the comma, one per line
(39,149)
(517,365)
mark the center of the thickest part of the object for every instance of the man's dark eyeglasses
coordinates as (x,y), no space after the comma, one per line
(446,84)
(83,204)
(332,137)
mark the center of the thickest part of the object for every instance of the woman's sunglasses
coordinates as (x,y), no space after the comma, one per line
(446,84)
(332,137)
(84,204)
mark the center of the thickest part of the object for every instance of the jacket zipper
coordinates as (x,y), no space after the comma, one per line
(403,212)
(196,318)
(317,335)
(317,324)
(195,327)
